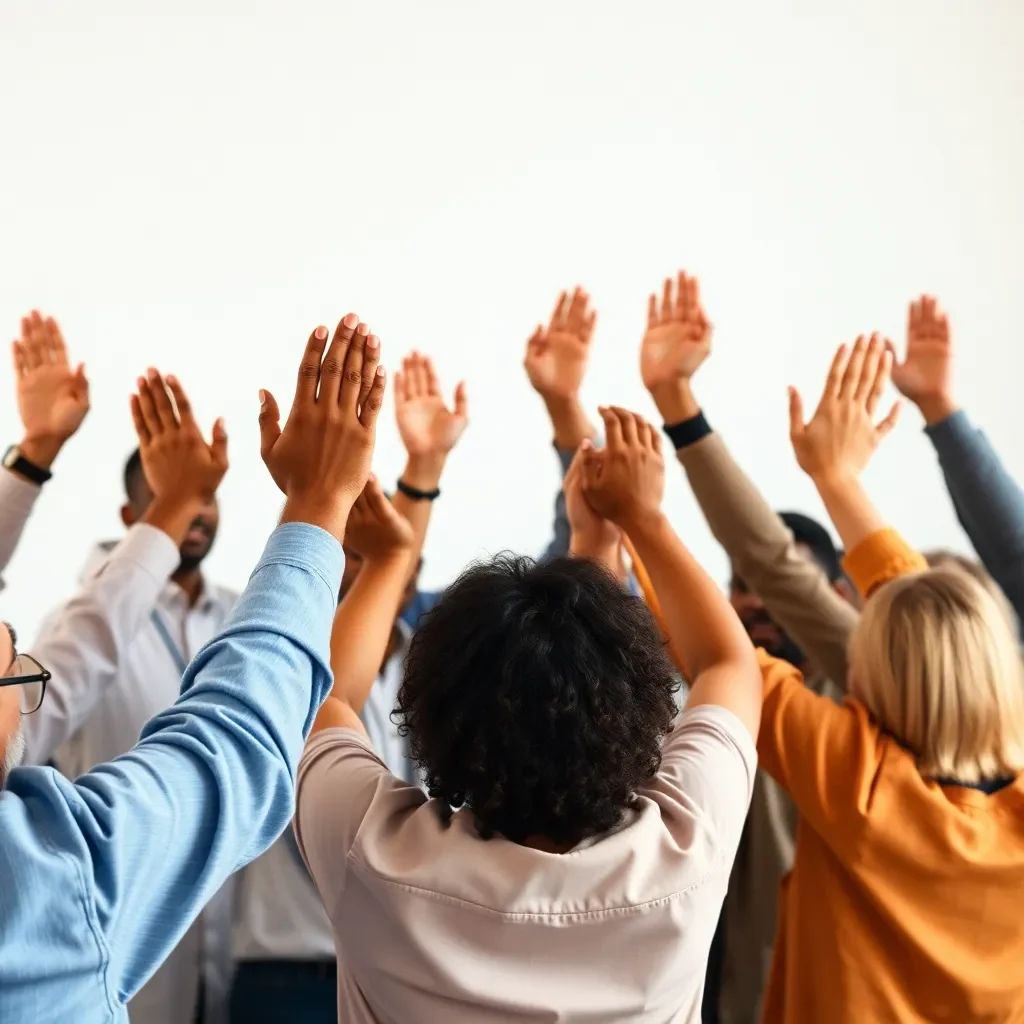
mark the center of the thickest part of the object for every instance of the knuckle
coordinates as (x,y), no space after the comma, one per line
(332,367)
(353,376)
(309,371)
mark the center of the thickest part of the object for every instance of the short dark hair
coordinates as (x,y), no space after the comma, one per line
(809,531)
(538,696)
(133,474)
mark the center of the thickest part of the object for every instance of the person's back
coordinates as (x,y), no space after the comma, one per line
(572,858)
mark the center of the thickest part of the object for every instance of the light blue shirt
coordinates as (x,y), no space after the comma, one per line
(100,878)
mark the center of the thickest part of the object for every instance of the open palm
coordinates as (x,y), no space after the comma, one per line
(53,399)
(926,372)
(426,424)
(678,336)
(556,356)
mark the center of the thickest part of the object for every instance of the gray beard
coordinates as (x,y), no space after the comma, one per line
(13,755)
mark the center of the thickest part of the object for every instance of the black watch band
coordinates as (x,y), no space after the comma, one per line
(415,494)
(17,463)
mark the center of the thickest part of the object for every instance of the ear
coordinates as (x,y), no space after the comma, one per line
(128,517)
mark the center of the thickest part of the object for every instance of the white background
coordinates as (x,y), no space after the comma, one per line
(196,185)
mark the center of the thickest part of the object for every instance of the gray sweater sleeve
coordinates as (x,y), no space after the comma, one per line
(559,545)
(989,503)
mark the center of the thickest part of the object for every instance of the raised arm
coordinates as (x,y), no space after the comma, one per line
(555,363)
(429,430)
(988,501)
(53,401)
(624,482)
(84,642)
(796,592)
(211,782)
(366,616)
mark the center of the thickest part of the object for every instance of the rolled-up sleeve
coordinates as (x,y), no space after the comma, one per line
(17,499)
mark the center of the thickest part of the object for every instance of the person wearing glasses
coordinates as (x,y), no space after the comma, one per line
(103,875)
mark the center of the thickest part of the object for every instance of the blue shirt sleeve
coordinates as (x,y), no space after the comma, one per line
(210,785)
(989,503)
(559,546)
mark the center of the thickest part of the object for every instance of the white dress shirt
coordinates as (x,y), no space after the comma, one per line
(17,498)
(278,913)
(113,668)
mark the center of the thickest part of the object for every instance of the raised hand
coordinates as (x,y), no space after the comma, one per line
(428,427)
(592,535)
(376,530)
(53,398)
(842,435)
(321,460)
(179,464)
(678,337)
(556,356)
(624,481)
(926,374)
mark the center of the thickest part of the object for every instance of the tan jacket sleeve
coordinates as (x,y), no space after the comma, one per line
(796,593)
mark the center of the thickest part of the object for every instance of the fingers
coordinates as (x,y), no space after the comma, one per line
(576,320)
(181,401)
(309,367)
(371,357)
(161,399)
(417,376)
(591,466)
(851,378)
(890,421)
(461,401)
(139,421)
(352,369)
(652,311)
(18,359)
(58,351)
(270,423)
(883,370)
(336,363)
(433,381)
(864,386)
(588,326)
(667,309)
(147,407)
(33,341)
(796,413)
(559,313)
(376,502)
(374,400)
(835,373)
(630,427)
(612,429)
(219,444)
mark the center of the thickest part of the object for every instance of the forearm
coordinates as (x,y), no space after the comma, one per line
(988,501)
(362,628)
(607,555)
(702,626)
(422,473)
(570,422)
(852,512)
(17,499)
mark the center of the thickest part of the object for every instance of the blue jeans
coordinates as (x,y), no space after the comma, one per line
(283,991)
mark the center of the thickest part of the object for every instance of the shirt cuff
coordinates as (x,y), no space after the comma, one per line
(148,548)
(690,431)
(565,457)
(17,495)
(879,558)
(306,547)
(955,431)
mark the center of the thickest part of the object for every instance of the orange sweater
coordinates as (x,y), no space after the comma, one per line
(906,898)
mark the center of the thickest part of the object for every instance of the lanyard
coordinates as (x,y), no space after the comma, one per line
(172,648)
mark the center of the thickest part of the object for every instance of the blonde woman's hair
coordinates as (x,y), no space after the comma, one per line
(935,660)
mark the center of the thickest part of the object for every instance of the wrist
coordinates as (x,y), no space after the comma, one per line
(330,516)
(173,515)
(936,408)
(674,400)
(644,524)
(569,420)
(423,472)
(833,479)
(41,451)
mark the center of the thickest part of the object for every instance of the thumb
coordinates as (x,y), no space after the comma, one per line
(82,381)
(270,425)
(461,402)
(796,413)
(219,443)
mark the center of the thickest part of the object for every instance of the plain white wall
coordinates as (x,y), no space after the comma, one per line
(196,185)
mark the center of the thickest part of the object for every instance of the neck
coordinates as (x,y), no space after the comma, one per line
(191,581)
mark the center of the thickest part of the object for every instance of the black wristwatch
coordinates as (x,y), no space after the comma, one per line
(17,463)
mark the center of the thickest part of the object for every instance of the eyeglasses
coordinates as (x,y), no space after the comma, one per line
(32,677)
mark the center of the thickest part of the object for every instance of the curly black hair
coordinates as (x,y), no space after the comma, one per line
(537,696)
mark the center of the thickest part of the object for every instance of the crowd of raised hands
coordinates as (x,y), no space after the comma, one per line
(827,757)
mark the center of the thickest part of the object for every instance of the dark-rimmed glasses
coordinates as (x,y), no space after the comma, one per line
(27,673)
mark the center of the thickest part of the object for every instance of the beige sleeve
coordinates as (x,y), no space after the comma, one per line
(796,593)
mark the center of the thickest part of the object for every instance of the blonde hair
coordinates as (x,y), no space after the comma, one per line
(935,660)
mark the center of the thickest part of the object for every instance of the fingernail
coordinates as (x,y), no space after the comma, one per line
(171,379)
(263,397)
(363,329)
(152,373)
(381,372)
(372,341)
(351,319)
(321,333)
(586,444)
